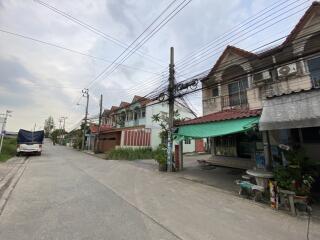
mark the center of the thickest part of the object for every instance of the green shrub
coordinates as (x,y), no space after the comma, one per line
(160,155)
(8,149)
(130,154)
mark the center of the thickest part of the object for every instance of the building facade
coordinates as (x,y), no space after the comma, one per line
(130,125)
(242,83)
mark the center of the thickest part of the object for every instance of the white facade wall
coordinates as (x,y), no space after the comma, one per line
(152,109)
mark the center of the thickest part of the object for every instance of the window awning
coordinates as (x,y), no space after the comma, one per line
(297,110)
(218,128)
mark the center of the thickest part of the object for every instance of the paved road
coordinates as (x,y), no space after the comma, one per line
(55,199)
(65,194)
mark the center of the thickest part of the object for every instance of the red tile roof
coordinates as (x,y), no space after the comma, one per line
(124,104)
(94,128)
(305,18)
(113,108)
(229,48)
(223,115)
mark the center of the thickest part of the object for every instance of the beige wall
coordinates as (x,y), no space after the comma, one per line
(275,86)
(256,94)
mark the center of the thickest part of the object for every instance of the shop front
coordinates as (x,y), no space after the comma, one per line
(233,136)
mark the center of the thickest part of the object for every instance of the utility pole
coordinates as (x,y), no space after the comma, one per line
(60,126)
(85,93)
(4,127)
(63,127)
(171,110)
(100,121)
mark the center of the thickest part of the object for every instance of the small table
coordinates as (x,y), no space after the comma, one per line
(261,176)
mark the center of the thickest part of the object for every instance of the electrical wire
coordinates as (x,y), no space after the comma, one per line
(71,50)
(209,54)
(238,30)
(113,68)
(95,30)
(268,16)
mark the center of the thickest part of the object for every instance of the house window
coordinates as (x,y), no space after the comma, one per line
(238,93)
(215,92)
(314,70)
(136,113)
(143,112)
(187,141)
(129,114)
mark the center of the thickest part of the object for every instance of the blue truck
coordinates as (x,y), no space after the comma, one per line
(29,142)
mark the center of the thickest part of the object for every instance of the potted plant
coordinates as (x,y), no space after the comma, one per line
(296,176)
(160,156)
(303,187)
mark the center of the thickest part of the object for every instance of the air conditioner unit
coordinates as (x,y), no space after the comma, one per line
(287,70)
(261,77)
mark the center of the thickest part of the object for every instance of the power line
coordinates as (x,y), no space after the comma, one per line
(296,42)
(71,50)
(133,43)
(263,68)
(209,54)
(309,31)
(263,29)
(239,27)
(173,13)
(260,20)
(95,30)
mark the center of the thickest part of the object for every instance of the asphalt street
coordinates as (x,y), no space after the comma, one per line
(67,194)
(55,199)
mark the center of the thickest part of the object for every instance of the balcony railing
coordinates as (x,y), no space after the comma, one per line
(238,99)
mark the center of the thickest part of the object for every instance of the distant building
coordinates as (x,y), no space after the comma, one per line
(131,125)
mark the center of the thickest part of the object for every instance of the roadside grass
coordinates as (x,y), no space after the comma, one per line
(8,149)
(130,154)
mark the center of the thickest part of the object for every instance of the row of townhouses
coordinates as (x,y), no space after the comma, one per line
(254,102)
(131,125)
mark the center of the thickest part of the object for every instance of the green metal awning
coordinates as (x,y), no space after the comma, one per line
(219,128)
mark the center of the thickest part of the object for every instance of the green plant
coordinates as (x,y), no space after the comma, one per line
(8,149)
(160,155)
(303,188)
(130,153)
(163,121)
(296,176)
(284,178)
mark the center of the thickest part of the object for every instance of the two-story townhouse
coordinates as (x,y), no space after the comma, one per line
(281,83)
(131,125)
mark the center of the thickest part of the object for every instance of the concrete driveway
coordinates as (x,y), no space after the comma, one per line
(65,194)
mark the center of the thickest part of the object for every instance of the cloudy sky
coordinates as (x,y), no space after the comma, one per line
(38,80)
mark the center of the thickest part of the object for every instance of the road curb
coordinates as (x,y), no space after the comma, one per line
(8,183)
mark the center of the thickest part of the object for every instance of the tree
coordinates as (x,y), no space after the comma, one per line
(163,120)
(48,126)
(57,135)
